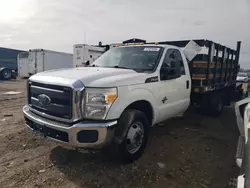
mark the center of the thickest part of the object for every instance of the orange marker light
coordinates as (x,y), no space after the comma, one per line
(111,98)
(196,90)
(156,43)
(141,43)
(126,44)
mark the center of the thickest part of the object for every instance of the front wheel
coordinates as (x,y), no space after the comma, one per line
(131,135)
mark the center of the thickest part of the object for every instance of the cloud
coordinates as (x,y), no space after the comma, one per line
(59,24)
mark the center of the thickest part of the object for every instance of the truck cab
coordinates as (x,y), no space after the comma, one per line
(115,100)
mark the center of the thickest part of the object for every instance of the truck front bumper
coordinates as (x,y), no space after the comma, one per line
(87,134)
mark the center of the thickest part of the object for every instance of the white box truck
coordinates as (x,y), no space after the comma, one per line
(39,60)
(85,52)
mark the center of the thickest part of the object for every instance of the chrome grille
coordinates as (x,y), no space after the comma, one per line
(60,99)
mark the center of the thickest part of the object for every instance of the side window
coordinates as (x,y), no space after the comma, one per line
(172,55)
(166,64)
(167,59)
(179,58)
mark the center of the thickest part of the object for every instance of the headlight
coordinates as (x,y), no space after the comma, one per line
(98,102)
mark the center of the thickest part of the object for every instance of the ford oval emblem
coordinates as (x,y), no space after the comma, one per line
(44,99)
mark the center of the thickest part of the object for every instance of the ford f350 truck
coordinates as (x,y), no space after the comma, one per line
(115,100)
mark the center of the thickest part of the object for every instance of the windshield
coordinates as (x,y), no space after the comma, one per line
(242,74)
(143,58)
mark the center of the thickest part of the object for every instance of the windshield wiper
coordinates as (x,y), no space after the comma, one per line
(136,70)
(120,67)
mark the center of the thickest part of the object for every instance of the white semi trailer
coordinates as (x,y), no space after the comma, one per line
(39,60)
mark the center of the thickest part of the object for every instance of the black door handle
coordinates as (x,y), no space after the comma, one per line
(187,84)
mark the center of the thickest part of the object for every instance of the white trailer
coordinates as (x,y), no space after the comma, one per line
(84,53)
(39,60)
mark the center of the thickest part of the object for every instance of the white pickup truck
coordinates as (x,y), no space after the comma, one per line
(242,111)
(115,100)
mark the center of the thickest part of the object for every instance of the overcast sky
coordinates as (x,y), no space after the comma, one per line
(59,24)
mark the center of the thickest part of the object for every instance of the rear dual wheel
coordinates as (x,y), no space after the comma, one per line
(217,104)
(212,104)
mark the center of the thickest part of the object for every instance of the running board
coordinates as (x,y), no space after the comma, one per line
(240,151)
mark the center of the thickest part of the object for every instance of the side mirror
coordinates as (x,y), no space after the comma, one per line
(168,73)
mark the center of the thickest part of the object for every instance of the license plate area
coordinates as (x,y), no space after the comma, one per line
(47,131)
(43,130)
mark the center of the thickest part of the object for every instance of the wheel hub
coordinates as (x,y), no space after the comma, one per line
(134,137)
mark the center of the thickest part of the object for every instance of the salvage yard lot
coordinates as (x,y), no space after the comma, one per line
(190,151)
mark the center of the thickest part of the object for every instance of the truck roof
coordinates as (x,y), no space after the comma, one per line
(155,45)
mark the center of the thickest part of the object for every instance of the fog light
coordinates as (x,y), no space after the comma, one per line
(87,136)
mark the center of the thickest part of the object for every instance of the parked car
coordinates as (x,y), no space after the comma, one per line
(243,77)
(115,100)
(242,85)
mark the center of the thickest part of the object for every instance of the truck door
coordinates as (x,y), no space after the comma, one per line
(78,56)
(23,64)
(174,94)
(40,59)
(32,63)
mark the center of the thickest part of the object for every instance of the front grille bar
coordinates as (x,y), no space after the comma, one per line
(61,100)
(76,97)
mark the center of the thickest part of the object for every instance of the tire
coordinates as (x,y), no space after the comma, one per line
(216,104)
(131,135)
(205,105)
(6,74)
(212,104)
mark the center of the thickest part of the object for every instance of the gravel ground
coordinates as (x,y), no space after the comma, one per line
(190,151)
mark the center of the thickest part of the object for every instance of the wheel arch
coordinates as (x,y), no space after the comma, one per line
(139,99)
(145,107)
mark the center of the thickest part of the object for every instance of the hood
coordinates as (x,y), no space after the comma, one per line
(91,77)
